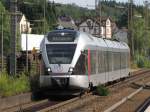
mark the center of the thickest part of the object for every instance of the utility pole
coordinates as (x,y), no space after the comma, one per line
(100,18)
(27,46)
(146,13)
(13,9)
(98,13)
(146,3)
(2,63)
(45,15)
(130,26)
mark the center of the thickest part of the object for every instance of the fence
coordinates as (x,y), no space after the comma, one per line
(33,64)
(3,66)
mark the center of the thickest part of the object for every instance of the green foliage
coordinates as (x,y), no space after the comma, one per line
(102,90)
(139,35)
(142,61)
(74,11)
(123,20)
(147,63)
(10,85)
(5,21)
(34,11)
(134,65)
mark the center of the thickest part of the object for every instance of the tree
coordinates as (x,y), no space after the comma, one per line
(123,20)
(6,27)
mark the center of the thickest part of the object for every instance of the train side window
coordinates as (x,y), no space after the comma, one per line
(99,62)
(81,65)
(124,62)
(93,62)
(106,61)
(116,58)
(103,61)
(109,61)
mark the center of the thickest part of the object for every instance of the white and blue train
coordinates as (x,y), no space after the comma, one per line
(73,59)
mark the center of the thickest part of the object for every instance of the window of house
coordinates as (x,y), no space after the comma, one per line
(107,23)
(107,31)
(89,24)
(84,30)
(24,26)
(21,27)
(95,31)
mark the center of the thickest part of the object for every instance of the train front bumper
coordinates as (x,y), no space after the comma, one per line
(74,81)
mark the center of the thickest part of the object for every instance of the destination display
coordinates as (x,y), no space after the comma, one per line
(61,37)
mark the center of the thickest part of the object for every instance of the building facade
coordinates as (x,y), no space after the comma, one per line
(94,27)
(24,24)
(66,22)
(121,35)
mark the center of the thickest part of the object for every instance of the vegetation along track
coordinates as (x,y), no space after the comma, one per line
(77,102)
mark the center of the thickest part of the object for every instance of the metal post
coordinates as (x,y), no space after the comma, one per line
(2,44)
(146,23)
(131,2)
(100,18)
(13,9)
(98,13)
(44,16)
(26,46)
(130,26)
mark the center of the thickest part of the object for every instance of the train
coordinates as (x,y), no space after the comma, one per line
(77,60)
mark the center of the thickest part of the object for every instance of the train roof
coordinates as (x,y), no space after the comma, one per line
(85,39)
(89,40)
(64,30)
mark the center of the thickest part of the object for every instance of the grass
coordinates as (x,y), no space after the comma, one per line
(12,85)
(142,61)
(102,90)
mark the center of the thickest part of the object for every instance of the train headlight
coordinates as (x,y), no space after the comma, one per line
(70,69)
(49,69)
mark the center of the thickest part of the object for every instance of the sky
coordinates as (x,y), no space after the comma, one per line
(91,3)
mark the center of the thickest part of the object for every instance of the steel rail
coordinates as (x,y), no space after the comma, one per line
(49,107)
(137,76)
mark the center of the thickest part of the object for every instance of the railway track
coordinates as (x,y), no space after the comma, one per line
(77,102)
(117,106)
(137,75)
(30,106)
(144,106)
(117,94)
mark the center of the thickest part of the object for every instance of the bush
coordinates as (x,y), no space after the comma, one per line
(147,63)
(134,65)
(102,90)
(142,61)
(11,85)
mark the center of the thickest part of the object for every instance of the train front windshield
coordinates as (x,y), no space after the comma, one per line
(60,53)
